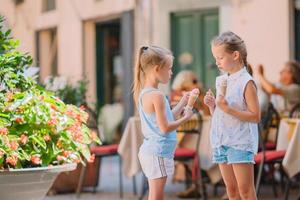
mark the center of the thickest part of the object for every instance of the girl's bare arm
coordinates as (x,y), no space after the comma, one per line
(177,110)
(252,114)
(159,108)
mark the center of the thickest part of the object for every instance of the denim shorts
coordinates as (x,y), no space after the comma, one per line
(229,155)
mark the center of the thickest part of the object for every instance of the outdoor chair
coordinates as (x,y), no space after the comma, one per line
(295,112)
(267,158)
(187,155)
(270,124)
(101,151)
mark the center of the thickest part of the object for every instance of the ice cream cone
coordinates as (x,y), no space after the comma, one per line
(193,96)
(223,87)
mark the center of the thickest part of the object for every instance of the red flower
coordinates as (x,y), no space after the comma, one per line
(79,118)
(19,119)
(53,107)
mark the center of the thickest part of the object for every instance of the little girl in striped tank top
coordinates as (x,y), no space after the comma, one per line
(158,121)
(235,114)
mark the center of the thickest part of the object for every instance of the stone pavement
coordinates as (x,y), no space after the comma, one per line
(109,187)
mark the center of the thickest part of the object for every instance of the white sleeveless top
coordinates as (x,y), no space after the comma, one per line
(227,130)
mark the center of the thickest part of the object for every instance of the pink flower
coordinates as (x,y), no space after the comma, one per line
(12,160)
(23,139)
(47,138)
(3,131)
(82,107)
(35,160)
(67,153)
(94,136)
(59,157)
(52,121)
(14,145)
(9,96)
(70,113)
(77,136)
(92,158)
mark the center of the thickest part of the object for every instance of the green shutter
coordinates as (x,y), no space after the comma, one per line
(191,35)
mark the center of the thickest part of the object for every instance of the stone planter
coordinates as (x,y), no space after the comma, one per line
(29,183)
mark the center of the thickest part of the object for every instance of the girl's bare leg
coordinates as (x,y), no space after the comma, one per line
(156,188)
(230,181)
(244,175)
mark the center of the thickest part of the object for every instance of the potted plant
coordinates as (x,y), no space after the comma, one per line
(40,135)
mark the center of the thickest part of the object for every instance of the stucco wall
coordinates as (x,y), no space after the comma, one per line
(264,25)
(26,18)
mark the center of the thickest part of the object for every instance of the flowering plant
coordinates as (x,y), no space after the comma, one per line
(36,128)
(70,93)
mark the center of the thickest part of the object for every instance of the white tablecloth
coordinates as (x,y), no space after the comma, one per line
(132,139)
(289,140)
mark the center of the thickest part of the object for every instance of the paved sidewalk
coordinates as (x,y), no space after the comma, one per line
(109,187)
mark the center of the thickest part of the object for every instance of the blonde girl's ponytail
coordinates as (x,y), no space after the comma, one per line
(137,84)
(148,56)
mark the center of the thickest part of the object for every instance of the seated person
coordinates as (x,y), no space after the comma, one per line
(185,81)
(286,93)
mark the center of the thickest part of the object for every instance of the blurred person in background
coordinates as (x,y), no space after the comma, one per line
(184,81)
(286,92)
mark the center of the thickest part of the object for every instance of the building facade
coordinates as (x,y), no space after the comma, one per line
(97,39)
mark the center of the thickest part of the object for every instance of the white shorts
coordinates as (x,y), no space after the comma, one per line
(156,166)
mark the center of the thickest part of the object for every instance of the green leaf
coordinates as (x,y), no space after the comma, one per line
(40,141)
(85,152)
(25,155)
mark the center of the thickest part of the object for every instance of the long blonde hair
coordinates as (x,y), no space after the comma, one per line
(148,56)
(232,42)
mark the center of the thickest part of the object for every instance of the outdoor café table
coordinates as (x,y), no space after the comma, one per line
(289,140)
(132,138)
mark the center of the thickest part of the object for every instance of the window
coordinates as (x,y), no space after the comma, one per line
(46,53)
(48,5)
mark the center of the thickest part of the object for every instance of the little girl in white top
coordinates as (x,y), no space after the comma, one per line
(235,114)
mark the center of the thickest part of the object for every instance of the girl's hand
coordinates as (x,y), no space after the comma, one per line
(185,98)
(209,99)
(222,103)
(188,112)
